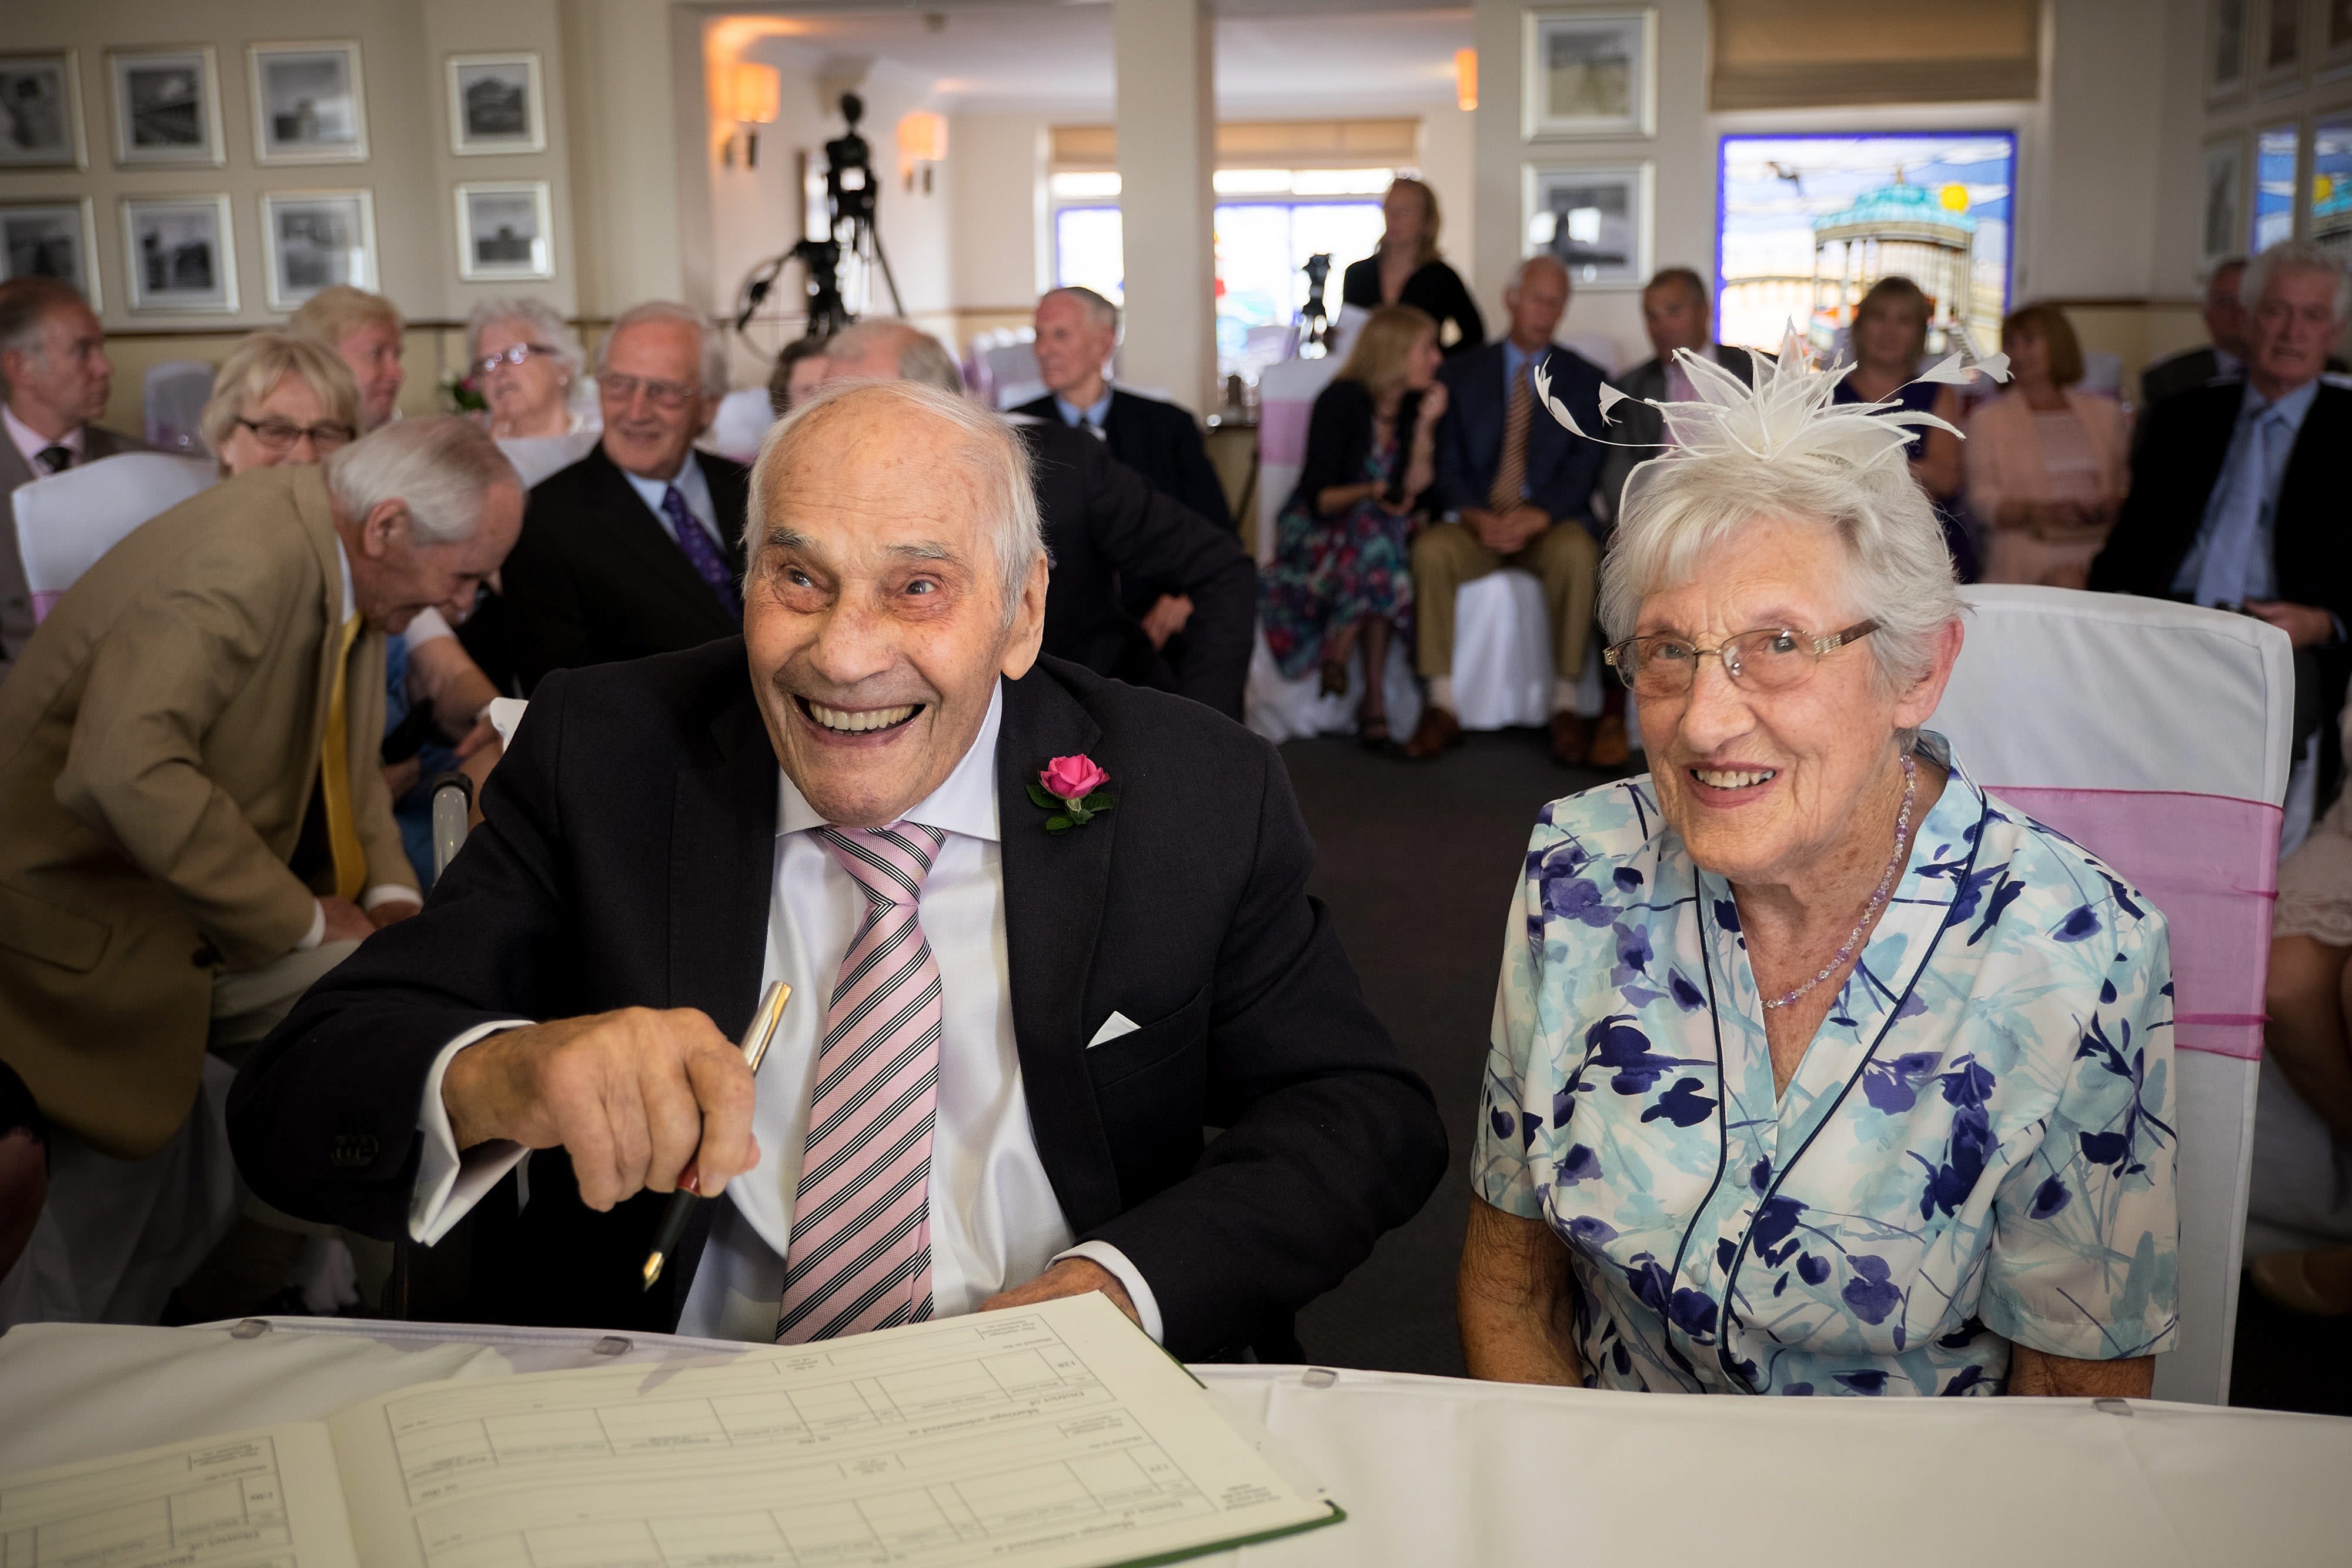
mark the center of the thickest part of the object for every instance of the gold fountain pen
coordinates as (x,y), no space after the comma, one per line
(764,1020)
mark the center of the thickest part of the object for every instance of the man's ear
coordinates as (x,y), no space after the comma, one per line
(1028,634)
(384,521)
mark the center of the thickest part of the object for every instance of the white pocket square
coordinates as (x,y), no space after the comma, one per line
(1112,1027)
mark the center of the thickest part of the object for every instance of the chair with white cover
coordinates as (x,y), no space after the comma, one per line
(174,393)
(2156,736)
(66,521)
(744,416)
(536,456)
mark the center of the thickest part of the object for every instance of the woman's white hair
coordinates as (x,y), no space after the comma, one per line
(440,469)
(1898,571)
(547,326)
(994,459)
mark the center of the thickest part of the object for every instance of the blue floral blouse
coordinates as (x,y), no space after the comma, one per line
(1977,1148)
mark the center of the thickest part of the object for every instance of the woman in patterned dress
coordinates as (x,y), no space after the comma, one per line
(1815,1069)
(1342,570)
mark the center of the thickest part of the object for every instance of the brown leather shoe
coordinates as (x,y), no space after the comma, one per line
(1569,739)
(1611,747)
(1437,730)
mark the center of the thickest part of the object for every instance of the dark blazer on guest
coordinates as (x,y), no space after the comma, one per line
(625,858)
(1105,528)
(1433,286)
(1638,422)
(1160,441)
(15,598)
(1562,468)
(594,576)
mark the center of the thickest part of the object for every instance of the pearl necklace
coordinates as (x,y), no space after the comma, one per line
(1877,900)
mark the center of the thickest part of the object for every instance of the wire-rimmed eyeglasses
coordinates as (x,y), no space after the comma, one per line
(1768,659)
(513,354)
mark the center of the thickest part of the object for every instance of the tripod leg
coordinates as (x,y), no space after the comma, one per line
(873,239)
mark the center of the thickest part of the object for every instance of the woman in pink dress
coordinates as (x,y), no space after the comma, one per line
(2047,464)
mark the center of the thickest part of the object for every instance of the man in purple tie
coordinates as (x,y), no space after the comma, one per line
(1064,1018)
(637,548)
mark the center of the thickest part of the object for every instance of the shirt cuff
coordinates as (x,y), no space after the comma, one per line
(429,625)
(448,1184)
(387,892)
(1146,1305)
(318,932)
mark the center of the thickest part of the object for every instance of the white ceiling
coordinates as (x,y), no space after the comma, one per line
(1274,58)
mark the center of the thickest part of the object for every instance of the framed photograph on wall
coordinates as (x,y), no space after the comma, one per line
(495,104)
(179,253)
(2219,218)
(309,103)
(1589,73)
(40,112)
(2333,45)
(314,240)
(2225,49)
(51,239)
(2279,58)
(166,105)
(1596,220)
(505,230)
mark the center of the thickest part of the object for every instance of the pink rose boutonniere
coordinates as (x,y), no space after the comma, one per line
(1071,787)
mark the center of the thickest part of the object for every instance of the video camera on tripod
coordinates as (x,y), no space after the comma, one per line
(850,237)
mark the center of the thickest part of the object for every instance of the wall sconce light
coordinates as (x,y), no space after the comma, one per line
(922,140)
(1465,79)
(755,91)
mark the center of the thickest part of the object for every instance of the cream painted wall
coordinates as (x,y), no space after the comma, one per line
(1448,160)
(998,218)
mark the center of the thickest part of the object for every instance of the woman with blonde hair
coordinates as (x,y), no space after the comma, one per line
(1407,271)
(2047,465)
(1342,566)
(366,329)
(278,399)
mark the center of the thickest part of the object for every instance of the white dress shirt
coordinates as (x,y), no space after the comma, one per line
(692,488)
(994,1220)
(30,442)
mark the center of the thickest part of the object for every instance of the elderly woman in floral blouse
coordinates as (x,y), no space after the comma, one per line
(1816,1069)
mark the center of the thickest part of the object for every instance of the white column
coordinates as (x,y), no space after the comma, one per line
(1166,55)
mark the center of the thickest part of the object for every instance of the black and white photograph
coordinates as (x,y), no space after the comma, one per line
(1595,220)
(1590,73)
(503,231)
(309,105)
(179,253)
(314,240)
(166,105)
(40,111)
(2334,43)
(2279,57)
(495,104)
(2217,217)
(51,239)
(2225,49)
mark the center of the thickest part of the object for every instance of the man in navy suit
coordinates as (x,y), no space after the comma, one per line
(1514,488)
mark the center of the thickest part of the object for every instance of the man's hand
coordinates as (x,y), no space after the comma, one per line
(392,910)
(1167,618)
(1070,1277)
(2305,625)
(346,921)
(631,1097)
(400,777)
(484,733)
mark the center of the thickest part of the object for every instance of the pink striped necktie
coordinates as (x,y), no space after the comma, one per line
(860,1256)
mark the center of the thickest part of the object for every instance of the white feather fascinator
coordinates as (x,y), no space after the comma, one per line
(1789,416)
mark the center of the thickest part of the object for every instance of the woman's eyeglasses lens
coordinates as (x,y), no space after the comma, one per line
(510,356)
(1764,660)
(278,435)
(624,389)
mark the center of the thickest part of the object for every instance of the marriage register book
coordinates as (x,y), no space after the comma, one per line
(1055,1435)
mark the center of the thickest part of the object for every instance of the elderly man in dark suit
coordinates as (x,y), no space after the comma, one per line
(1515,489)
(1676,314)
(637,548)
(2222,359)
(54,379)
(1043,930)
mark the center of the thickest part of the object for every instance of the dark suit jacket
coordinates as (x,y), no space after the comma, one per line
(594,576)
(15,598)
(1434,287)
(1106,527)
(625,858)
(1638,422)
(2170,377)
(1562,468)
(1160,441)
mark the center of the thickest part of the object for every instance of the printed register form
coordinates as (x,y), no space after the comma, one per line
(1055,1435)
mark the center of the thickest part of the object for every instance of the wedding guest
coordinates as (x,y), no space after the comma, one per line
(1343,553)
(2222,358)
(366,329)
(1890,341)
(1676,315)
(800,370)
(278,399)
(1815,1069)
(2047,464)
(527,364)
(1407,271)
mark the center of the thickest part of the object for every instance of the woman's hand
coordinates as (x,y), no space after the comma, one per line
(1516,1301)
(2037,1373)
(1433,408)
(1336,499)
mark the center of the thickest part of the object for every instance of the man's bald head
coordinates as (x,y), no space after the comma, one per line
(891,350)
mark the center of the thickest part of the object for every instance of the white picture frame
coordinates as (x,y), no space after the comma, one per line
(1589,73)
(166,105)
(2221,211)
(2227,42)
(1596,218)
(2280,47)
(310,102)
(57,237)
(312,240)
(40,110)
(179,254)
(505,230)
(496,104)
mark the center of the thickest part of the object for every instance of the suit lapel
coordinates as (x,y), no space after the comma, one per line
(637,533)
(1054,888)
(730,491)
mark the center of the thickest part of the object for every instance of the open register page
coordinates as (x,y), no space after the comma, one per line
(1049,1436)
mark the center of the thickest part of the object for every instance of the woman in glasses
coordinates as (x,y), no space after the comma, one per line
(278,399)
(1816,1069)
(527,364)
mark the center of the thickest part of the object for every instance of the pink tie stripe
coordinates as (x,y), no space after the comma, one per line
(860,1255)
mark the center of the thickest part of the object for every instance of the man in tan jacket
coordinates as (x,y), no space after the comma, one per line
(193,824)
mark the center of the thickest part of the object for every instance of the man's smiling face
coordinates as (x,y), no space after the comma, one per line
(874,611)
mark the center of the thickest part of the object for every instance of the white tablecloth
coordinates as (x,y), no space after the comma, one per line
(1432,1470)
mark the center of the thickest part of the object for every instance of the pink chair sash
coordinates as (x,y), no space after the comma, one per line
(42,604)
(2210,864)
(1282,432)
